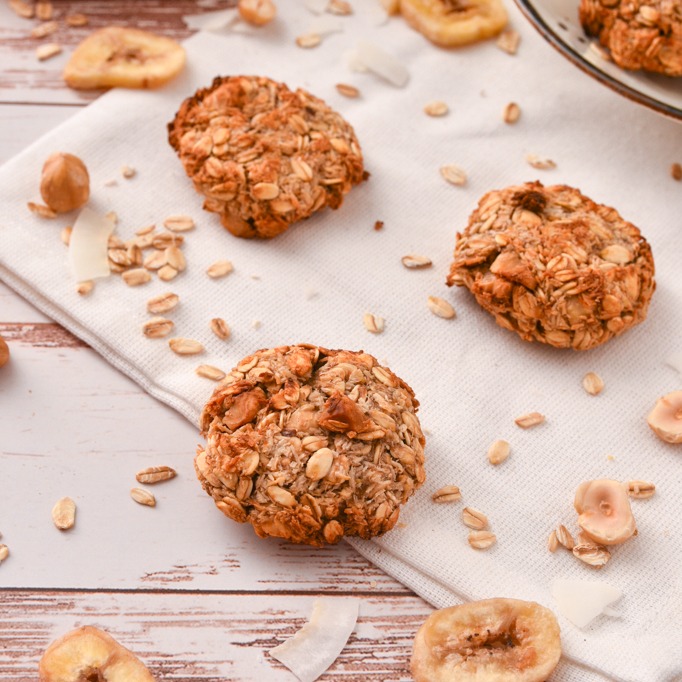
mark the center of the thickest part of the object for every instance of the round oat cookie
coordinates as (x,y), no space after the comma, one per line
(553,266)
(264,156)
(640,34)
(311,444)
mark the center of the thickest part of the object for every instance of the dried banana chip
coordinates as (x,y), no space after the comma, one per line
(455,22)
(125,58)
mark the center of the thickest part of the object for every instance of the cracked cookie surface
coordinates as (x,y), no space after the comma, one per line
(264,156)
(640,34)
(311,444)
(553,266)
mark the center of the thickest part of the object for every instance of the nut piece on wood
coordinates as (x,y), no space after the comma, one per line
(64,513)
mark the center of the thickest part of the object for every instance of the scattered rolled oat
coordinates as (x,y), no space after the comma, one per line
(373,323)
(593,555)
(220,328)
(128,172)
(564,537)
(142,496)
(85,288)
(182,346)
(64,513)
(47,51)
(641,490)
(309,40)
(347,90)
(157,327)
(498,451)
(473,518)
(44,30)
(509,41)
(593,383)
(22,8)
(539,162)
(179,223)
(164,240)
(512,113)
(167,272)
(676,171)
(136,277)
(339,7)
(44,10)
(162,303)
(41,210)
(219,269)
(146,229)
(529,420)
(449,493)
(440,307)
(76,20)
(210,372)
(552,542)
(175,258)
(155,474)
(482,539)
(436,108)
(155,260)
(414,262)
(454,174)
(4,552)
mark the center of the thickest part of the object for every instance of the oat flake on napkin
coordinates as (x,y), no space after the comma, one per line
(315,282)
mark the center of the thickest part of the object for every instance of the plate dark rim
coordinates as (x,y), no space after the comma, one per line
(555,40)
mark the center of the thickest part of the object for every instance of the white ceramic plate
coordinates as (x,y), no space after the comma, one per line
(557,21)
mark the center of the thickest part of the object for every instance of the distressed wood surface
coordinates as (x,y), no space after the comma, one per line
(72,425)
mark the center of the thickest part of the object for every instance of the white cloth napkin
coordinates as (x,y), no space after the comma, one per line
(315,282)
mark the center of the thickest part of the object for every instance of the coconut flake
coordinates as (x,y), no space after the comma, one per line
(320,641)
(382,63)
(581,601)
(316,6)
(674,360)
(211,21)
(88,245)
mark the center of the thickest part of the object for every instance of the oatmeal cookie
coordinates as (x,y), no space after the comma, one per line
(311,444)
(553,266)
(264,156)
(641,34)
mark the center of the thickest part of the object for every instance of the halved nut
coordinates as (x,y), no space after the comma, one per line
(666,418)
(605,513)
(90,654)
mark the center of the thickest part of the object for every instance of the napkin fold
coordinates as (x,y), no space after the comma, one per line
(314,283)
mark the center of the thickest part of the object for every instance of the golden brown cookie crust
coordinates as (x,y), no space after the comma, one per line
(311,444)
(553,266)
(263,155)
(640,34)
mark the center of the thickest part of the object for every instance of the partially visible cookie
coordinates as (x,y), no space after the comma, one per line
(640,34)
(311,444)
(553,266)
(264,156)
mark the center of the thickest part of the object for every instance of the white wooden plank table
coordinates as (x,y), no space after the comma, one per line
(72,425)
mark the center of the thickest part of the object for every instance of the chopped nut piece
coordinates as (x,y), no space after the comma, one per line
(564,537)
(183,346)
(379,225)
(210,372)
(482,539)
(529,420)
(44,30)
(440,307)
(157,327)
(64,513)
(593,383)
(509,41)
(593,555)
(40,210)
(78,19)
(257,12)
(347,90)
(473,518)
(155,474)
(676,171)
(128,172)
(142,496)
(47,51)
(449,493)
(552,542)
(498,451)
(179,223)
(604,509)
(436,108)
(454,174)
(414,262)
(540,163)
(309,40)
(666,418)
(219,269)
(220,329)
(85,288)
(319,464)
(373,323)
(512,113)
(4,552)
(641,490)
(136,277)
(162,303)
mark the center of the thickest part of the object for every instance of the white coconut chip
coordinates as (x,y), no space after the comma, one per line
(316,6)
(382,63)
(581,601)
(674,360)
(320,641)
(88,245)
(211,21)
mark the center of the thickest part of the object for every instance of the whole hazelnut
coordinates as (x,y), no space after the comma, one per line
(4,352)
(65,183)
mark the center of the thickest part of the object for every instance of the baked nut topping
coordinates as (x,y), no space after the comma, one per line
(264,156)
(665,419)
(640,34)
(605,513)
(506,640)
(311,444)
(553,266)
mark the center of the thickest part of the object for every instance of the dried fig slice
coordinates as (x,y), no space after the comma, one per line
(493,640)
(90,654)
